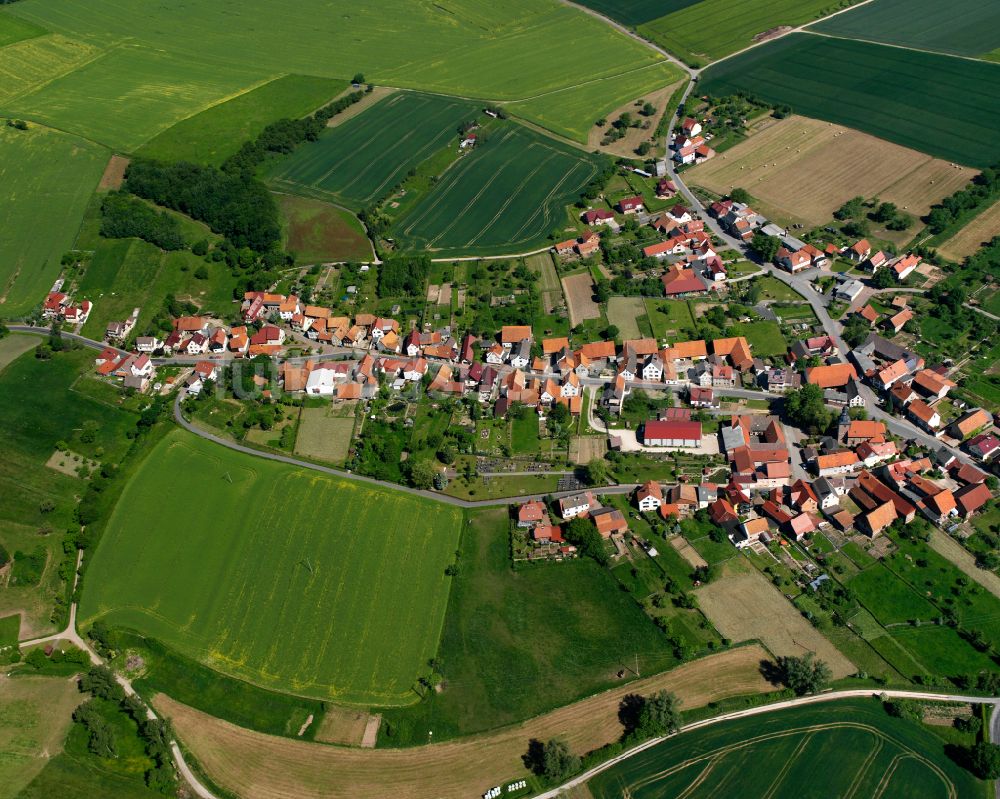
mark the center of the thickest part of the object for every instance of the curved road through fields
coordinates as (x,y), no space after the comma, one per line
(788,703)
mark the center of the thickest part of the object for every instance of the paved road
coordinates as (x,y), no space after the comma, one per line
(800,283)
(755,711)
(623,488)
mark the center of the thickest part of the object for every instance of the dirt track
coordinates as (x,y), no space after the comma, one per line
(257,766)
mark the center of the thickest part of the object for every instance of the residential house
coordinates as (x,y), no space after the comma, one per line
(680,281)
(859,251)
(904,265)
(931,384)
(899,320)
(600,216)
(630,205)
(984,446)
(925,416)
(577,505)
(836,463)
(148,344)
(649,496)
(971,498)
(970,423)
(531,513)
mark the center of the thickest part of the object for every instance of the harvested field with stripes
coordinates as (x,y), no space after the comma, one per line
(258,766)
(802,170)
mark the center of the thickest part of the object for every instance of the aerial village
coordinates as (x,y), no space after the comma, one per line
(782,485)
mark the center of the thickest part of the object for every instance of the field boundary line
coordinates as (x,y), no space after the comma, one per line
(100,53)
(826,35)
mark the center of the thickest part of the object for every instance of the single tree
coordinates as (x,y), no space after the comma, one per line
(804,675)
(660,714)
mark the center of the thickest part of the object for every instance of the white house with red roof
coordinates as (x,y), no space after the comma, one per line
(631,205)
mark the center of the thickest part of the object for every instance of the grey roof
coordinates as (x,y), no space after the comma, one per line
(732,437)
(863,362)
(792,243)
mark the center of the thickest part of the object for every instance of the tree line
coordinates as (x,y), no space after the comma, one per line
(980,192)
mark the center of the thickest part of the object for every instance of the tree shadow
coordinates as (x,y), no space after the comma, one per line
(629,710)
(771,672)
(534,758)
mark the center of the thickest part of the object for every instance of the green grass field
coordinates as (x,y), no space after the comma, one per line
(13,30)
(502,639)
(708,30)
(470,48)
(217,132)
(317,232)
(41,407)
(764,338)
(572,112)
(844,748)
(635,12)
(367,156)
(141,275)
(508,194)
(130,94)
(290,580)
(896,94)
(46,179)
(962,27)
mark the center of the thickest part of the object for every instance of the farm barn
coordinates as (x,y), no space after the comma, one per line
(672,433)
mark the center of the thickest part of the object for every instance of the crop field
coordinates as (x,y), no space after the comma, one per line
(635,12)
(572,112)
(46,179)
(324,435)
(13,30)
(961,27)
(141,276)
(295,581)
(971,237)
(711,29)
(31,63)
(892,93)
(367,156)
(317,232)
(802,170)
(34,717)
(623,313)
(256,766)
(509,193)
(217,132)
(549,285)
(128,95)
(844,748)
(134,91)
(746,606)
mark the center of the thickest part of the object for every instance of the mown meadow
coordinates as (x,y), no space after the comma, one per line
(285,578)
